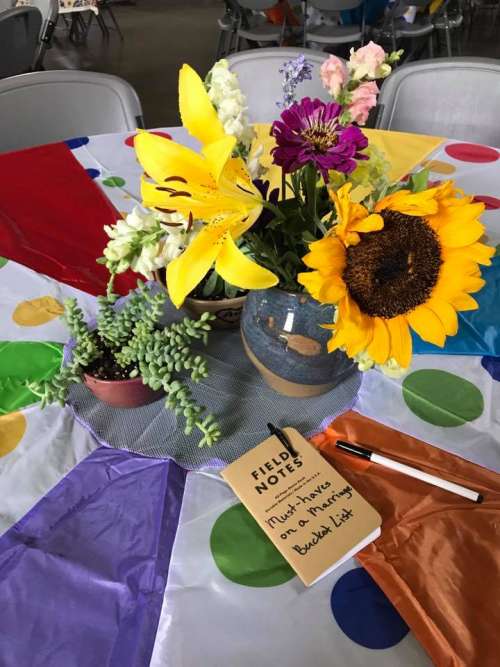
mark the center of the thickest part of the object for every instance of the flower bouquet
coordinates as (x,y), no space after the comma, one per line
(384,257)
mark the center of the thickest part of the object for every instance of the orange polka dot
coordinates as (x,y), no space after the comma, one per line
(439,167)
(12,429)
(39,311)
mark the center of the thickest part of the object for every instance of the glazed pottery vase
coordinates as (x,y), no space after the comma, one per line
(130,393)
(283,338)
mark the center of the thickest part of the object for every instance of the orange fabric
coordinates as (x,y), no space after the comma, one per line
(282,11)
(438,557)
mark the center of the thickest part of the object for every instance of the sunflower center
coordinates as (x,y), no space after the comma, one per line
(393,271)
(321,136)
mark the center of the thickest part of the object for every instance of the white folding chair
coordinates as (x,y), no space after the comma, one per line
(255,28)
(42,107)
(336,34)
(261,81)
(449,97)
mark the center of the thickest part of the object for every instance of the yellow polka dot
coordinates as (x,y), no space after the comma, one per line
(12,429)
(439,167)
(37,311)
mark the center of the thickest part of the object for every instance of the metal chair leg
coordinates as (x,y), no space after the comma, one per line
(448,37)
(113,19)
(431,45)
(219,50)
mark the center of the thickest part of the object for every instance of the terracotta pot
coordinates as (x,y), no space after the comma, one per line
(283,338)
(227,311)
(130,393)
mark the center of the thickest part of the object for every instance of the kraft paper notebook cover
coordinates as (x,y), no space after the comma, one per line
(311,513)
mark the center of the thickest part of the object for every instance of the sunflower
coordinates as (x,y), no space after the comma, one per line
(412,264)
(212,186)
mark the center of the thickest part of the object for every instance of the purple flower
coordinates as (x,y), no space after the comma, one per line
(294,72)
(310,132)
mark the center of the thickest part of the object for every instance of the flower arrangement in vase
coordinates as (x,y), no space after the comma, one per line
(381,255)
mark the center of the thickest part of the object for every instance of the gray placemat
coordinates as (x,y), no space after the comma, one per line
(233,391)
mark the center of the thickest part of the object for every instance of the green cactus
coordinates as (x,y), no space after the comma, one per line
(159,356)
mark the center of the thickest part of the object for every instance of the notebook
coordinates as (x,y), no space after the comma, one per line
(313,516)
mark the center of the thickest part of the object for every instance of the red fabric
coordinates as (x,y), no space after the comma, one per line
(52,216)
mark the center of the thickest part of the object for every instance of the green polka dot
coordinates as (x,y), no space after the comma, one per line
(243,552)
(22,362)
(3,262)
(442,398)
(114,182)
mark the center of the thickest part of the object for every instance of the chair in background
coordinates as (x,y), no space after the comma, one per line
(397,28)
(261,82)
(19,35)
(333,35)
(50,12)
(256,28)
(448,19)
(43,107)
(448,97)
(228,26)
(6,4)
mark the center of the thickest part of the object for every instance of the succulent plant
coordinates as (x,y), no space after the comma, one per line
(160,356)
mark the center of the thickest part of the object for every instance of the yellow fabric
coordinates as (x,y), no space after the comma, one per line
(403,150)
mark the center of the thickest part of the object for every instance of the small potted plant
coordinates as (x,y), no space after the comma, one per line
(127,361)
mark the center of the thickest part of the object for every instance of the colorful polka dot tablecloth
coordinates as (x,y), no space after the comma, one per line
(111,558)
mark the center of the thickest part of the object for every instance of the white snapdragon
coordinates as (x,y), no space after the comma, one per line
(147,241)
(225,94)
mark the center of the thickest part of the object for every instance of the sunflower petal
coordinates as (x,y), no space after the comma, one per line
(198,114)
(477,252)
(235,267)
(379,348)
(427,325)
(446,313)
(401,345)
(464,302)
(457,234)
(187,270)
(372,223)
(404,201)
(327,254)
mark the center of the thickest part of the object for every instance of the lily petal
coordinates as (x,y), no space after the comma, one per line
(237,269)
(162,158)
(198,114)
(187,270)
(217,154)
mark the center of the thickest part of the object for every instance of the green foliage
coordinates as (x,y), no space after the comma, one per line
(160,356)
(279,243)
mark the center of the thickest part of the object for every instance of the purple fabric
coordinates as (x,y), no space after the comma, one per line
(82,575)
(309,132)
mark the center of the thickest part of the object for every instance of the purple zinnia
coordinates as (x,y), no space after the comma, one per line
(310,132)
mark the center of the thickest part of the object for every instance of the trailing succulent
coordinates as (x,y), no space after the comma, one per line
(132,336)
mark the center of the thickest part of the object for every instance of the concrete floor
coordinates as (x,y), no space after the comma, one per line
(161,35)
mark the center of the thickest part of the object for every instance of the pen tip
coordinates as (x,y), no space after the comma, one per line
(480,499)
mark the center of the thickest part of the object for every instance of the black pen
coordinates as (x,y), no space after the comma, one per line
(283,438)
(364,453)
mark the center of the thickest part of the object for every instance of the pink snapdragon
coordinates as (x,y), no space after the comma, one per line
(363,98)
(334,75)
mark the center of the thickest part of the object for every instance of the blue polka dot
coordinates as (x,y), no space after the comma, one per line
(77,142)
(93,173)
(364,613)
(492,365)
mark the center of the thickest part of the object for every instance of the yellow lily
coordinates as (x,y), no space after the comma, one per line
(211,186)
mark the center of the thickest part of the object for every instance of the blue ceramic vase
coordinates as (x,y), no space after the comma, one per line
(283,338)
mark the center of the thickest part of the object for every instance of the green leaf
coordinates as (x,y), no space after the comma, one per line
(419,181)
(210,285)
